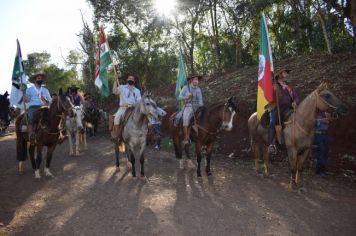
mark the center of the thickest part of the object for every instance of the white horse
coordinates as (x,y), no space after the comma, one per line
(74,126)
(135,130)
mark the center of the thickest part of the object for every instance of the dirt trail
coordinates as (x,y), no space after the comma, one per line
(89,197)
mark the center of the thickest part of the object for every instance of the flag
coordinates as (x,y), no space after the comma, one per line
(265,70)
(18,80)
(103,60)
(181,79)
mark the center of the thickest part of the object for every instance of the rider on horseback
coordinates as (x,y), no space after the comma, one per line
(129,97)
(36,96)
(74,96)
(193,99)
(286,98)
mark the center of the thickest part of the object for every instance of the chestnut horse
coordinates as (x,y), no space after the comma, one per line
(298,131)
(47,133)
(210,121)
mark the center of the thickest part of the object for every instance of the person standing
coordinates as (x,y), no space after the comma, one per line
(321,141)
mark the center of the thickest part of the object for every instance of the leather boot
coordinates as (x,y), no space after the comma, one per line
(271,135)
(186,135)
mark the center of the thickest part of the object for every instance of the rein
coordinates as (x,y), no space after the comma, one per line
(218,130)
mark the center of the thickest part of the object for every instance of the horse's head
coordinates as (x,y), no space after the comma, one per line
(78,114)
(64,104)
(327,101)
(229,111)
(149,107)
(5,108)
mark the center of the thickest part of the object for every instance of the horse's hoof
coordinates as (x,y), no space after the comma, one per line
(209,173)
(199,174)
(21,167)
(48,173)
(37,174)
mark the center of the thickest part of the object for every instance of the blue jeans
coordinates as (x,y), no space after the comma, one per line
(157,132)
(321,152)
(273,118)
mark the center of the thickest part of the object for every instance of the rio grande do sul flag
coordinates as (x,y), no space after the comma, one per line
(265,69)
(103,60)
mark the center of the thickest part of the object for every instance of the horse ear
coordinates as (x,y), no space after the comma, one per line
(322,87)
(6,94)
(60,92)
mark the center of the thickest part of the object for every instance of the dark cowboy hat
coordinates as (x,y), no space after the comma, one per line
(74,88)
(280,71)
(194,76)
(34,76)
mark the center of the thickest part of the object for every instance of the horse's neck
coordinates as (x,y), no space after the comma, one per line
(306,112)
(138,118)
(54,116)
(211,119)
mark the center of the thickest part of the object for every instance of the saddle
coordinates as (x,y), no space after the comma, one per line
(40,119)
(285,115)
(178,117)
(124,120)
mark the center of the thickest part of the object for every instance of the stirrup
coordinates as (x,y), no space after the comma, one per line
(272,149)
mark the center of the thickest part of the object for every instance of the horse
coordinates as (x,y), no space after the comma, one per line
(91,117)
(4,112)
(134,131)
(74,127)
(48,120)
(298,131)
(210,121)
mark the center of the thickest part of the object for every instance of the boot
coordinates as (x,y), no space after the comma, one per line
(186,135)
(115,133)
(272,147)
(31,135)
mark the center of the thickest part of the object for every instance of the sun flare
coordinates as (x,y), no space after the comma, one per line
(165,7)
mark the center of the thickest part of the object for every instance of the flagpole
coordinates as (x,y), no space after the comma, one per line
(23,90)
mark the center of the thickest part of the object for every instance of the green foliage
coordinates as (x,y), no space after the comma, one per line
(214,35)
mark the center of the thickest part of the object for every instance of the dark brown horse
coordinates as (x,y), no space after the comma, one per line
(47,133)
(210,121)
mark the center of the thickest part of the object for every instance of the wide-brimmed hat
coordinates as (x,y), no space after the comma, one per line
(280,71)
(74,88)
(194,76)
(33,77)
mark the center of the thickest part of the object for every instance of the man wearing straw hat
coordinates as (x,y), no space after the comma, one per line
(36,96)
(193,99)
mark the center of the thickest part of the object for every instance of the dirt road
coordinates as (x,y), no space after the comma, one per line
(89,197)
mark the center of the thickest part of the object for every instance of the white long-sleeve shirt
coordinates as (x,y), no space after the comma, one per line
(129,95)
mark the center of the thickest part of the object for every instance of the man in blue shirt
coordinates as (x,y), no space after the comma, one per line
(321,140)
(36,96)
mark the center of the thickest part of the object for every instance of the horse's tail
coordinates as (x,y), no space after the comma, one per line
(21,143)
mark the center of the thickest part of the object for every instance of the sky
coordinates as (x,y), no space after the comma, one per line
(40,25)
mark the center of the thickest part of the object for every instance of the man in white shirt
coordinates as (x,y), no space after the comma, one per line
(129,97)
(36,96)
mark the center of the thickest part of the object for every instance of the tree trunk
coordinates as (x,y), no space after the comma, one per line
(325,33)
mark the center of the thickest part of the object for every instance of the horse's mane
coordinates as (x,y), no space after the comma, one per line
(203,111)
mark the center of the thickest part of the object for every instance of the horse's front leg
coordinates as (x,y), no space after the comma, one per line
(38,161)
(209,150)
(50,150)
(84,135)
(117,155)
(132,160)
(300,161)
(71,151)
(77,142)
(292,157)
(142,162)
(198,153)
(31,151)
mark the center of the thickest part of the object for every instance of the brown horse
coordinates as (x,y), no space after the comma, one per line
(209,122)
(47,133)
(298,131)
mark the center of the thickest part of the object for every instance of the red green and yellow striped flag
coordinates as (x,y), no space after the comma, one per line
(265,69)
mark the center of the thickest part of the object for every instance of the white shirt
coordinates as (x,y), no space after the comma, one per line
(34,95)
(129,95)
